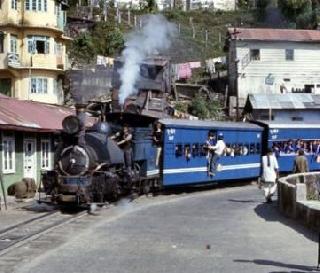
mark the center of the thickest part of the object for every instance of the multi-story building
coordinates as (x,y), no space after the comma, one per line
(272,61)
(32,49)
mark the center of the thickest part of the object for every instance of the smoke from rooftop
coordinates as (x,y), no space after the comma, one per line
(154,38)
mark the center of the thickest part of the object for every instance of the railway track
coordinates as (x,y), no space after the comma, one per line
(31,229)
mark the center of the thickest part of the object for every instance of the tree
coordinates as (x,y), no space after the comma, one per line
(261,8)
(108,39)
(151,6)
(82,48)
(204,108)
(293,8)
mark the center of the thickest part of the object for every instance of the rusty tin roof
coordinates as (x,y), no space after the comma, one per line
(270,34)
(32,116)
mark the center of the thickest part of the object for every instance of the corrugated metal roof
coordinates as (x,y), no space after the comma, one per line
(270,34)
(287,125)
(31,116)
(284,101)
(209,124)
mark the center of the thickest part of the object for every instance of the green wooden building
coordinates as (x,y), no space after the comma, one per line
(28,131)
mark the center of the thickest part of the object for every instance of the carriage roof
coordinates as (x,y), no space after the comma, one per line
(288,125)
(185,123)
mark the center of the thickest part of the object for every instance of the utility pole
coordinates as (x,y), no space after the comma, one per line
(234,38)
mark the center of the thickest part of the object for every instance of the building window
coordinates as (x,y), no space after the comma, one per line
(289,54)
(8,155)
(38,44)
(39,85)
(254,54)
(14,4)
(45,154)
(13,43)
(36,5)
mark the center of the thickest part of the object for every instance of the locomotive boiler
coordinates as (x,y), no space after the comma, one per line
(88,164)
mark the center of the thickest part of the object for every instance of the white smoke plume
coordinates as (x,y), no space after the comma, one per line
(154,37)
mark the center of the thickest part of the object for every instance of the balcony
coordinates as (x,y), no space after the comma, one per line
(13,60)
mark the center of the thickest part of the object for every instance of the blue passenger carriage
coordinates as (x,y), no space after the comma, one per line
(185,153)
(286,139)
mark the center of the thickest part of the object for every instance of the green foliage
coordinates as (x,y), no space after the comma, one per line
(204,108)
(243,3)
(82,48)
(261,8)
(151,6)
(106,39)
(182,107)
(293,8)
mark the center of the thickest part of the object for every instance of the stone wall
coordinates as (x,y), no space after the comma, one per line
(299,198)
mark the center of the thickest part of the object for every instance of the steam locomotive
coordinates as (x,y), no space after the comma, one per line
(89,165)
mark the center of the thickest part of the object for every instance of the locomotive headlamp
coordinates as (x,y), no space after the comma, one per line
(71,125)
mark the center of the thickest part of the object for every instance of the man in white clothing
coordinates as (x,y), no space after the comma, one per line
(216,151)
(270,169)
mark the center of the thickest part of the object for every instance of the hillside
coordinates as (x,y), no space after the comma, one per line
(201,34)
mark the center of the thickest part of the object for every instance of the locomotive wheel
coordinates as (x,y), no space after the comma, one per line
(145,187)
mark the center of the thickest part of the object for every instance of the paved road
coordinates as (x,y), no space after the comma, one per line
(225,230)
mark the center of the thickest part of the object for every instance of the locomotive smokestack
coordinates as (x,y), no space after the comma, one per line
(81,114)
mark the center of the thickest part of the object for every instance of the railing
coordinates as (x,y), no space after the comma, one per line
(13,60)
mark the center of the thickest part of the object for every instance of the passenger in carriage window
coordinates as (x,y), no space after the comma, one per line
(237,149)
(317,150)
(244,150)
(229,150)
(253,149)
(276,149)
(289,148)
(187,151)
(298,145)
(195,149)
(313,146)
(306,147)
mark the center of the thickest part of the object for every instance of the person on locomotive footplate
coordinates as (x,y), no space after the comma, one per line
(157,139)
(270,170)
(124,141)
(215,151)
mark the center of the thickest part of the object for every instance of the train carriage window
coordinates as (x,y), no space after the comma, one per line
(178,150)
(203,150)
(245,149)
(237,149)
(187,151)
(195,149)
(229,151)
(258,148)
(253,149)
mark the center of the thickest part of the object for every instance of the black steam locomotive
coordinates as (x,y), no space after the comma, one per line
(89,165)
